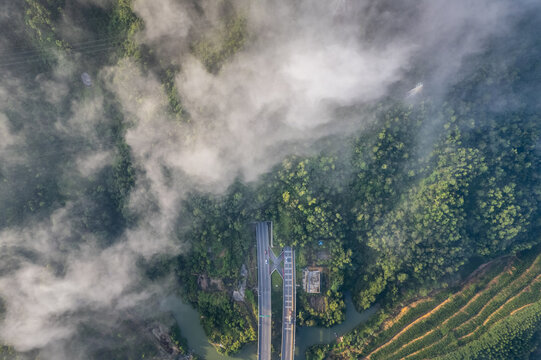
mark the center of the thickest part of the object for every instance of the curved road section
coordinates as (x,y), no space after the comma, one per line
(263,233)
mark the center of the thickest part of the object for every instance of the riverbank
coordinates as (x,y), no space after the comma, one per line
(188,320)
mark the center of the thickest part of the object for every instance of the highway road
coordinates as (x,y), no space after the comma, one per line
(288,321)
(263,232)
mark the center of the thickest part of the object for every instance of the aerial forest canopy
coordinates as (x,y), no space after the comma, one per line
(396,147)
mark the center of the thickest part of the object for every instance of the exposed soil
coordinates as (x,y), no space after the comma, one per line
(318,303)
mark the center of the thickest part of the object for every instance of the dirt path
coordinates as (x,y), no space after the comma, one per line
(419,319)
(426,348)
(413,341)
(520,308)
(526,288)
(525,273)
(486,288)
(489,286)
(389,323)
(405,310)
(492,282)
(478,272)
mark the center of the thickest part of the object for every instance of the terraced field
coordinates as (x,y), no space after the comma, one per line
(493,316)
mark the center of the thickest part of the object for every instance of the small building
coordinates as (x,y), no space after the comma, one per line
(311,280)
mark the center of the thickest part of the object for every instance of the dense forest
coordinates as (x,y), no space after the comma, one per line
(404,209)
(399,220)
(493,315)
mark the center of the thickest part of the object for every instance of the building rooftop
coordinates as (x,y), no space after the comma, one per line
(311,280)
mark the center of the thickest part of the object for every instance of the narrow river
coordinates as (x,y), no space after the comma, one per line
(188,320)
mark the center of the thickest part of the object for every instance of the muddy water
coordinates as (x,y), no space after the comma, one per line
(308,336)
(188,320)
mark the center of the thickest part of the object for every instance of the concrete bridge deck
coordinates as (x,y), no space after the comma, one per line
(267,263)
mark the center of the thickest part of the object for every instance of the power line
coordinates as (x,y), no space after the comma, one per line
(70,45)
(48,55)
(102,146)
(38,56)
(51,57)
(75,47)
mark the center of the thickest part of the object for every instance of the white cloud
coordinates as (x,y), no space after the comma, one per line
(279,95)
(90,164)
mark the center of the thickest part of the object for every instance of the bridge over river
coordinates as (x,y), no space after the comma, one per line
(267,263)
